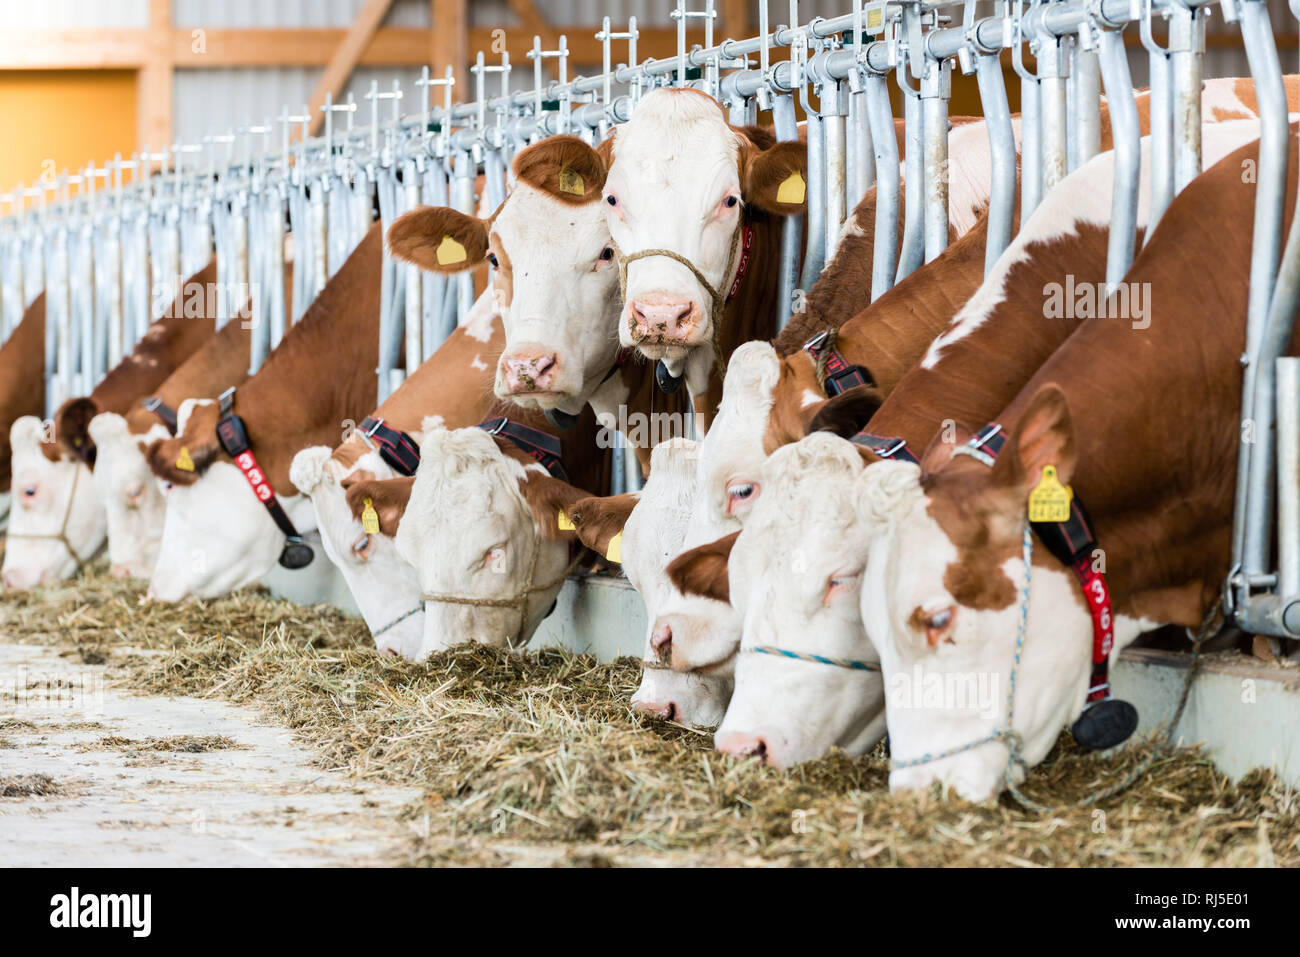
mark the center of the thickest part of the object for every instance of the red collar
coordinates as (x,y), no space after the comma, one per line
(746,245)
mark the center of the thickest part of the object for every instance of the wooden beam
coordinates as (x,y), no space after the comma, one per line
(530,18)
(154,82)
(346,57)
(451,42)
(735,19)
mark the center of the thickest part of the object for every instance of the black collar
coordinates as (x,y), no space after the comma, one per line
(542,446)
(840,375)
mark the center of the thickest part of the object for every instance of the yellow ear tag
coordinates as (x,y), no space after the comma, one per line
(565,523)
(793,190)
(614,551)
(1050,500)
(370,519)
(571,182)
(183,461)
(451,252)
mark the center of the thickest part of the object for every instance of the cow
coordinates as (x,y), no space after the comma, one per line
(993,346)
(313,387)
(59,523)
(1154,466)
(484,521)
(22,383)
(453,389)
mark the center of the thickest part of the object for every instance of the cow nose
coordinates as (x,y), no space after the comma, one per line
(662,318)
(530,373)
(661,640)
(120,571)
(667,710)
(743,746)
(13,581)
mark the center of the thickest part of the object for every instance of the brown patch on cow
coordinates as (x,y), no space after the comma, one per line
(71,430)
(703,570)
(547,496)
(389,498)
(415,238)
(559,165)
(599,518)
(22,372)
(199,440)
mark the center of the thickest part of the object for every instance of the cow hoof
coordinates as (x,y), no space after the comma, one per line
(560,419)
(1105,724)
(296,555)
(667,381)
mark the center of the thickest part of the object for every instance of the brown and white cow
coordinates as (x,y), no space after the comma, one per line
(1154,466)
(311,390)
(58,522)
(22,383)
(452,389)
(997,341)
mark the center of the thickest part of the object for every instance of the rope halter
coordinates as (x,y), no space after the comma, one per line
(62,534)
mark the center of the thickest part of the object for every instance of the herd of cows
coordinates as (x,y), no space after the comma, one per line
(844,550)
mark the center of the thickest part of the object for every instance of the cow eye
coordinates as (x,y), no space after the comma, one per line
(493,556)
(30,491)
(135,494)
(361,547)
(492,258)
(740,495)
(731,201)
(607,253)
(938,625)
(838,583)
(611,199)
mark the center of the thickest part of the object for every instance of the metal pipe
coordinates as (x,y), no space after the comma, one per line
(1126,139)
(833,133)
(1288,476)
(1187,45)
(912,251)
(1052,69)
(884,253)
(1002,152)
(935,90)
(462,187)
(815,251)
(787,129)
(1086,74)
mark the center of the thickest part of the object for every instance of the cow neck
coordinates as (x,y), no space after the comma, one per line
(648,403)
(221,362)
(166,344)
(22,381)
(323,372)
(455,383)
(978,374)
(1156,425)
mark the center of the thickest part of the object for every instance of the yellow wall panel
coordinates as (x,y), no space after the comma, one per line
(68,116)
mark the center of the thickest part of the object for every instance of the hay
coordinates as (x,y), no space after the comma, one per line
(538,758)
(187,743)
(29,785)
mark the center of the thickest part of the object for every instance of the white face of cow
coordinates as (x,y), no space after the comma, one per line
(651,538)
(556,287)
(384,586)
(52,502)
(133,504)
(471,536)
(674,184)
(796,574)
(217,536)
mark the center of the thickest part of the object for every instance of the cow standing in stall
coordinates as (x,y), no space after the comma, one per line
(22,384)
(58,522)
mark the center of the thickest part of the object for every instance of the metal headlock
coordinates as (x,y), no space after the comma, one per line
(92,250)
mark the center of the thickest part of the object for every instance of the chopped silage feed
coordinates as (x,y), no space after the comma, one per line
(538,758)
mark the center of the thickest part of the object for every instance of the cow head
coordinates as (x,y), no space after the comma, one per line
(554,278)
(793,576)
(653,525)
(55,512)
(133,504)
(681,181)
(481,529)
(217,536)
(384,585)
(942,604)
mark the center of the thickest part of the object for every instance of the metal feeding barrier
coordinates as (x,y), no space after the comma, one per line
(111,256)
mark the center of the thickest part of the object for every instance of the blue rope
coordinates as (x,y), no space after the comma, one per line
(397,621)
(851,663)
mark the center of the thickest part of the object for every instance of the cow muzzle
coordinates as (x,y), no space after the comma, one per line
(665,319)
(529,372)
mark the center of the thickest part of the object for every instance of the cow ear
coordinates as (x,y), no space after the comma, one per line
(703,570)
(564,167)
(72,428)
(1043,436)
(547,497)
(943,445)
(846,414)
(388,498)
(183,458)
(598,519)
(439,239)
(775,180)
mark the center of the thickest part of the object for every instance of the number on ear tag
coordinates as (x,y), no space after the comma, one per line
(183,461)
(370,519)
(1050,500)
(571,182)
(793,190)
(614,551)
(451,252)
(565,523)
